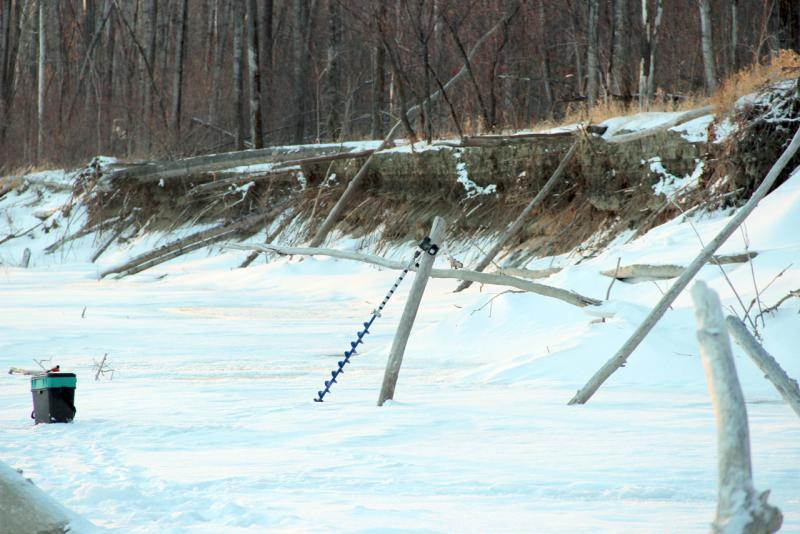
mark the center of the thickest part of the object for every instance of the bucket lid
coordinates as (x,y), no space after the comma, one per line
(53,380)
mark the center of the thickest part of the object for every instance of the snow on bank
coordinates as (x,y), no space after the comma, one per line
(209,424)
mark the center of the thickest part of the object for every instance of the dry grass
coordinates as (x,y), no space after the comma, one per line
(784,65)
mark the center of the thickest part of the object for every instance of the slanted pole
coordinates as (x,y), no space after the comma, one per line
(740,508)
(786,386)
(516,226)
(409,314)
(619,359)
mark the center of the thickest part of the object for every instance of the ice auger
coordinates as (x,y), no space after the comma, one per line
(425,246)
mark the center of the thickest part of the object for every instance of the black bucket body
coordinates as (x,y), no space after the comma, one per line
(53,397)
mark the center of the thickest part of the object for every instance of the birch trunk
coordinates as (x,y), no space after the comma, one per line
(238,78)
(617,84)
(644,57)
(545,57)
(254,70)
(177,80)
(592,61)
(651,75)
(301,64)
(41,81)
(333,89)
(734,57)
(707,44)
(147,88)
(769,366)
(739,509)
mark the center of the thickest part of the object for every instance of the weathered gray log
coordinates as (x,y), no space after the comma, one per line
(645,272)
(726,259)
(26,508)
(395,360)
(664,272)
(618,360)
(680,119)
(153,171)
(187,244)
(569,297)
(515,227)
(21,371)
(740,510)
(785,385)
(350,191)
(513,139)
(533,274)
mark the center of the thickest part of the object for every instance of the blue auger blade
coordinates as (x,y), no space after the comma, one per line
(328,383)
(366,325)
(342,363)
(334,374)
(350,353)
(318,400)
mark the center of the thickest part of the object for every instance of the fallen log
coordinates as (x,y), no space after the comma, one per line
(664,272)
(680,119)
(621,356)
(564,295)
(522,217)
(21,371)
(740,508)
(154,171)
(193,242)
(532,274)
(512,139)
(785,385)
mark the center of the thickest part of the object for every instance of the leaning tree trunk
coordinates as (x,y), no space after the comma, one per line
(707,45)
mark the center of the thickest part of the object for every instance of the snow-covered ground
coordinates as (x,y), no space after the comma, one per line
(209,426)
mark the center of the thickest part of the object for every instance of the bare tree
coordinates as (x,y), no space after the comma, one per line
(707,45)
(592,61)
(238,67)
(41,80)
(254,71)
(616,82)
(302,67)
(333,89)
(733,65)
(180,53)
(649,44)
